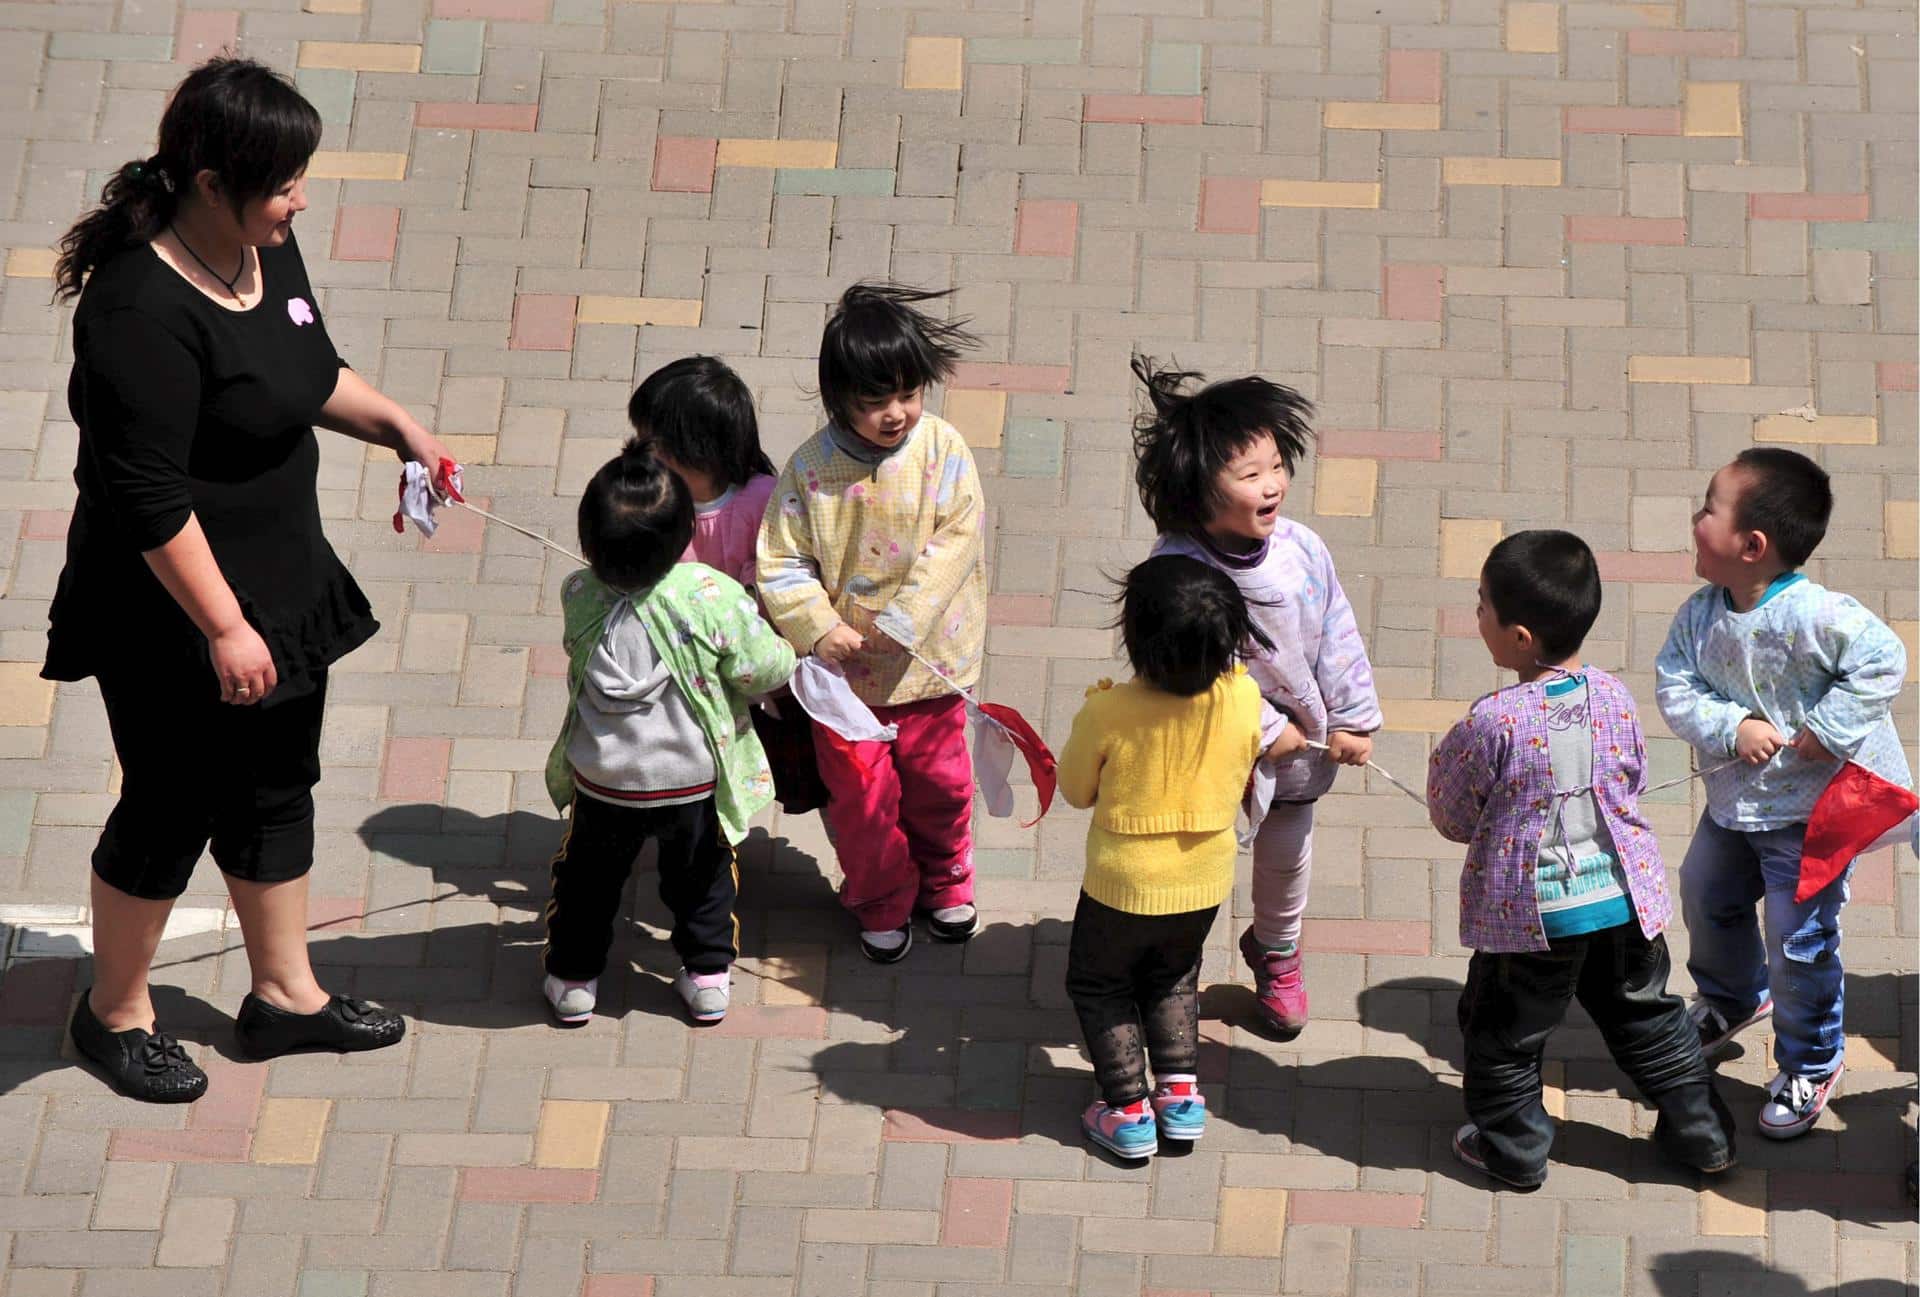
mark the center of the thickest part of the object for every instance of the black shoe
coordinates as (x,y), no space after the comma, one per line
(961,924)
(149,1066)
(345,1026)
(1470,1152)
(888,954)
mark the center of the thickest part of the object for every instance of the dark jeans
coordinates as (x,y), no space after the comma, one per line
(1512,1003)
(699,882)
(1134,973)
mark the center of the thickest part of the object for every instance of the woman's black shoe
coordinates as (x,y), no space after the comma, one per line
(146,1065)
(345,1026)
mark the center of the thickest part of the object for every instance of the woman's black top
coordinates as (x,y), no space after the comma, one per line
(186,408)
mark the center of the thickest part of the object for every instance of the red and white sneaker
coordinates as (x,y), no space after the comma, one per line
(1795,1102)
(1278,983)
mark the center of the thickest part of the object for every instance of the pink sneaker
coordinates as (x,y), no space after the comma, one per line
(1278,983)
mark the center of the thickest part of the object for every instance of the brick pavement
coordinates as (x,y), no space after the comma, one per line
(1538,264)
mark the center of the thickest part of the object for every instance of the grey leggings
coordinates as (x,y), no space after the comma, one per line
(1135,974)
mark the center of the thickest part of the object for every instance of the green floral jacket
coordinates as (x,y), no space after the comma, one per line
(708,630)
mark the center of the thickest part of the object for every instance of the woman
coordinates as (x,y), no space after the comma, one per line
(199,588)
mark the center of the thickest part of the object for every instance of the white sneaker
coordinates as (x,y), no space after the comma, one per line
(887,947)
(705,994)
(1796,1102)
(954,922)
(572,1002)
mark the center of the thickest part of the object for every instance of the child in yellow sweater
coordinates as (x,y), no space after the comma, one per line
(1163,760)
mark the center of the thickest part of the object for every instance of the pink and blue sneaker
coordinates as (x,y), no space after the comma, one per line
(1179,1109)
(1128,1132)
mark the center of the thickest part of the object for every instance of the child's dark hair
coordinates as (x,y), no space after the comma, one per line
(1183,441)
(1184,623)
(877,343)
(1548,582)
(636,519)
(1787,498)
(698,413)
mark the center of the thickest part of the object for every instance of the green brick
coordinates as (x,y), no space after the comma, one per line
(1669,759)
(590,13)
(1173,68)
(16,820)
(861,182)
(333,1283)
(1864,236)
(111,45)
(1594,1267)
(990,1074)
(1032,448)
(454,45)
(1002,862)
(1023,49)
(330,90)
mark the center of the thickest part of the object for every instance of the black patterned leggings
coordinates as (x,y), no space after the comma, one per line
(1130,974)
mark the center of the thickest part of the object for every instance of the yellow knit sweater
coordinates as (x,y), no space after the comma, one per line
(1164,775)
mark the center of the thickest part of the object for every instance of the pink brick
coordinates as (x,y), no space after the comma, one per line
(617,1285)
(1617,565)
(977,1213)
(526,1184)
(1807,207)
(1149,110)
(415,769)
(524,11)
(37,993)
(1414,76)
(683,164)
(1045,227)
(1706,45)
(542,322)
(547,660)
(477,117)
(45,524)
(1229,205)
(179,1145)
(1899,376)
(1377,443)
(1457,622)
(1019,610)
(461,531)
(997,377)
(1666,231)
(335,913)
(1623,121)
(1173,1292)
(1367,936)
(204,33)
(232,1100)
(1410,292)
(949,1125)
(1872,882)
(1329,1207)
(365,233)
(772,1021)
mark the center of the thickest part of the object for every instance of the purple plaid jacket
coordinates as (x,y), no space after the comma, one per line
(1490,785)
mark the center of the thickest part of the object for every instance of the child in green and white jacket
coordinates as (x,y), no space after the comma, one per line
(662,659)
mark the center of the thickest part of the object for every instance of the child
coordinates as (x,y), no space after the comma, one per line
(1163,760)
(873,542)
(1791,678)
(1563,896)
(1213,468)
(656,744)
(698,418)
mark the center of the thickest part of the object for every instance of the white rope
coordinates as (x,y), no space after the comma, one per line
(514,526)
(1379,770)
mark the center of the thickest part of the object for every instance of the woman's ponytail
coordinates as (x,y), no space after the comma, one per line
(135,206)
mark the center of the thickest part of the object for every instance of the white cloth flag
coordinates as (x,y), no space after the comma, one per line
(824,693)
(417,498)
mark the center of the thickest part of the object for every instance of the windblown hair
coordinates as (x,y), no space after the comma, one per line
(1184,438)
(878,342)
(698,413)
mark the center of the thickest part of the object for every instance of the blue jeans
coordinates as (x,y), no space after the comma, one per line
(1725,872)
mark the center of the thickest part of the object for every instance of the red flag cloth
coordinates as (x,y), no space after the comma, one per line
(1040,762)
(1857,807)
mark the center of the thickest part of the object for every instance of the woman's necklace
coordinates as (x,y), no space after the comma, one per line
(225,282)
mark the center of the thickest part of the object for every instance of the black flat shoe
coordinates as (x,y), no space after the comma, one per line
(147,1065)
(345,1026)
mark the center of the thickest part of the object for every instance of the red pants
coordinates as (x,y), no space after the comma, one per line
(901,813)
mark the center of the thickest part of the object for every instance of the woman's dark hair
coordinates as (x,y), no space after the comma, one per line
(1787,498)
(636,519)
(876,344)
(1184,623)
(698,413)
(1184,439)
(239,119)
(1548,582)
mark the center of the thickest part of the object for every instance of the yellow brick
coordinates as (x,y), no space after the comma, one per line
(1344,488)
(811,154)
(1903,529)
(1689,369)
(332,164)
(1711,108)
(1383,117)
(468,449)
(290,1131)
(1735,1203)
(30,263)
(1252,1222)
(25,699)
(797,977)
(1822,430)
(570,1134)
(1533,28)
(1501,171)
(360,56)
(1872,1054)
(333,6)
(1464,543)
(1553,1089)
(1421,715)
(1909,633)
(677,312)
(935,63)
(1319,193)
(980,416)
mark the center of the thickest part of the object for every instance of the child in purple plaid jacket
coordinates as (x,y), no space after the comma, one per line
(1564,895)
